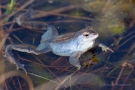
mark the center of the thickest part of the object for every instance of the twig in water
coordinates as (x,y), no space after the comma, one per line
(116,82)
(22,7)
(128,75)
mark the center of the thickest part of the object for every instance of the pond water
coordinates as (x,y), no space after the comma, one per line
(112,20)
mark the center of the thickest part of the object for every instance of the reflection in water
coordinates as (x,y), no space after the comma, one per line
(11,74)
(72,80)
(58,83)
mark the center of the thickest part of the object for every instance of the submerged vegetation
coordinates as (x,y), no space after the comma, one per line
(10,7)
(114,20)
(110,15)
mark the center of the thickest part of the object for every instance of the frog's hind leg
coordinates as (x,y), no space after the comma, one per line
(9,56)
(49,35)
(27,48)
(22,48)
(25,20)
(46,39)
(29,13)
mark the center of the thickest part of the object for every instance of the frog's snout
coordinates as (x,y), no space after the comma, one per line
(94,33)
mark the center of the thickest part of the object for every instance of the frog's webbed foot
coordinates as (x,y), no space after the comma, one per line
(105,48)
(25,20)
(29,13)
(21,66)
(74,60)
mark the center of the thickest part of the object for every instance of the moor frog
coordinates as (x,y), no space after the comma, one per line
(70,44)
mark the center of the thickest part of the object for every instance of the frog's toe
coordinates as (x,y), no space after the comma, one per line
(79,67)
(21,66)
(76,64)
(105,49)
(110,50)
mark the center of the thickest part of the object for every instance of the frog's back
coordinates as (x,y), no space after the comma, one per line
(63,38)
(63,45)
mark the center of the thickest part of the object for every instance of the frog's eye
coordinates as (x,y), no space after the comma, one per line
(86,34)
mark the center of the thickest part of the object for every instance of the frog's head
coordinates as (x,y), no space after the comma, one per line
(86,35)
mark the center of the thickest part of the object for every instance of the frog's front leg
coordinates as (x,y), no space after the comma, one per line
(74,59)
(104,47)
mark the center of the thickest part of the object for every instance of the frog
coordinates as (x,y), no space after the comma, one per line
(72,44)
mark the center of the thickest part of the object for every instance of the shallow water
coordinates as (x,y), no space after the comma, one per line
(48,71)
